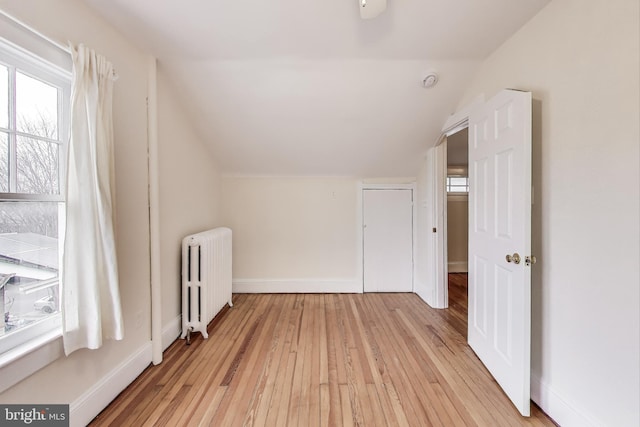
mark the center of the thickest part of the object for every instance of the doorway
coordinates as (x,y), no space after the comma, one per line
(457,211)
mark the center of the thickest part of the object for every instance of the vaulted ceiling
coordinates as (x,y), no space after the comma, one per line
(293,87)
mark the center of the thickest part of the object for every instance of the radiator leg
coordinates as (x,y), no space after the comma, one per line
(189,335)
(230,302)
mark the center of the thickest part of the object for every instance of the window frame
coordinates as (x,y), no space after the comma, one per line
(16,58)
(45,334)
(449,186)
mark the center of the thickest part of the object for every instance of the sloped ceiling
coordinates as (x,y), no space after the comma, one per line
(293,87)
(457,149)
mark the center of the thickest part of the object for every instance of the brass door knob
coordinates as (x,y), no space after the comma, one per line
(530,260)
(515,258)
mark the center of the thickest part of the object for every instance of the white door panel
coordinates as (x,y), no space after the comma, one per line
(500,225)
(388,240)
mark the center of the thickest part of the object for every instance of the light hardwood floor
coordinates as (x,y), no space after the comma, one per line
(323,360)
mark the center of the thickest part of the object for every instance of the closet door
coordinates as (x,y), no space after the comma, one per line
(388,240)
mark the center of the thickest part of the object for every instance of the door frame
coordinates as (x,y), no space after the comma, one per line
(455,123)
(360,224)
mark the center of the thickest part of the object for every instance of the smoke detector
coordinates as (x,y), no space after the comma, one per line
(430,80)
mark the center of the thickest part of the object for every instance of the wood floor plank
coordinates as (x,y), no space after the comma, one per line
(207,375)
(277,355)
(283,372)
(397,379)
(246,367)
(211,407)
(323,410)
(282,412)
(334,362)
(402,372)
(323,360)
(296,398)
(261,393)
(347,414)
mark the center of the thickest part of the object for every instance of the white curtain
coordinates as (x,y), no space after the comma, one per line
(90,295)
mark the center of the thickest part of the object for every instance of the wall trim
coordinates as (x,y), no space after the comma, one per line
(460,119)
(95,399)
(563,411)
(296,286)
(171,332)
(359,236)
(30,358)
(458,266)
(153,194)
(405,186)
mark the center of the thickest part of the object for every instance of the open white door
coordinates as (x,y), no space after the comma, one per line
(500,241)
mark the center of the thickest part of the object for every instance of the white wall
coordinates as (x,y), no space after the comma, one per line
(68,378)
(457,232)
(292,234)
(189,195)
(88,380)
(581,61)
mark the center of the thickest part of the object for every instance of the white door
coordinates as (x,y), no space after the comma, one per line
(388,240)
(500,239)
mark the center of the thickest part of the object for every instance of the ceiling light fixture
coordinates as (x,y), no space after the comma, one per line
(430,80)
(369,9)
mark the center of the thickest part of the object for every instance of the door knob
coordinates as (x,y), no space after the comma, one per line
(530,260)
(515,258)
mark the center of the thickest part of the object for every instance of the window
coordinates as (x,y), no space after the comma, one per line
(457,184)
(34,118)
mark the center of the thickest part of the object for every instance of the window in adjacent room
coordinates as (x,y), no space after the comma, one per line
(457,184)
(34,122)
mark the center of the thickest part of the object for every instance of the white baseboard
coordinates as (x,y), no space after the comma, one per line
(296,286)
(171,332)
(86,407)
(458,267)
(561,410)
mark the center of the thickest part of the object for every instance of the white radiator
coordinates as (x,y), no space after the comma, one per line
(206,279)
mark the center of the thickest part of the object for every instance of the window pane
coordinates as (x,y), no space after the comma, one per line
(458,190)
(454,180)
(29,259)
(36,107)
(37,164)
(4,97)
(4,162)
(39,218)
